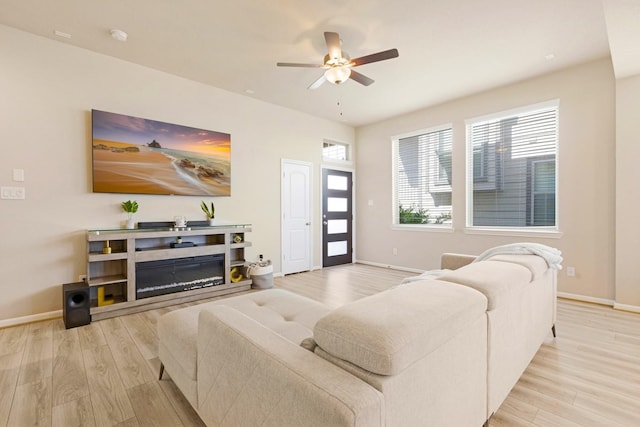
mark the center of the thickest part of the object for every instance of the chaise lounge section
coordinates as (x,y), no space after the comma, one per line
(521,294)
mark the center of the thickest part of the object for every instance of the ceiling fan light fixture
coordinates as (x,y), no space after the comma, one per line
(338,64)
(337,75)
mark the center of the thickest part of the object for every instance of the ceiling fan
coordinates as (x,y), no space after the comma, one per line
(338,65)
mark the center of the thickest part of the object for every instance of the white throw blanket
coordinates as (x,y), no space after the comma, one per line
(552,256)
(430,274)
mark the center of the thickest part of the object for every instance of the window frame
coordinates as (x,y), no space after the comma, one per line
(523,231)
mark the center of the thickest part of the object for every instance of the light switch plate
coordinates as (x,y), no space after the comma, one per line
(18,175)
(12,193)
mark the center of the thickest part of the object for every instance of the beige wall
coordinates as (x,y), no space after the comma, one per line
(586,165)
(47,90)
(627,192)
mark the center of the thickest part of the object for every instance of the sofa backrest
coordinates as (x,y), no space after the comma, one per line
(534,263)
(386,332)
(498,276)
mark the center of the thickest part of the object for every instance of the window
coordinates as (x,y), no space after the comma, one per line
(422,177)
(511,172)
(332,150)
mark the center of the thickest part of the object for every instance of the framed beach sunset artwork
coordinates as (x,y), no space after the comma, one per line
(142,156)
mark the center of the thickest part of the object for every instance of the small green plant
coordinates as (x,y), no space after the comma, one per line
(411,215)
(210,213)
(440,219)
(130,207)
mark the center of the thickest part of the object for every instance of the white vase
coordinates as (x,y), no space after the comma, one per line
(130,224)
(212,221)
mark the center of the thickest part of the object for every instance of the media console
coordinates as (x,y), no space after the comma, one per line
(134,270)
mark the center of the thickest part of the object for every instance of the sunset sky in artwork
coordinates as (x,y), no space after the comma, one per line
(138,131)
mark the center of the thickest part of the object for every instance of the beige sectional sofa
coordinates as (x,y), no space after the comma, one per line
(437,352)
(521,294)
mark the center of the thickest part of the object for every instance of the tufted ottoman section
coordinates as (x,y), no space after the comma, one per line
(287,314)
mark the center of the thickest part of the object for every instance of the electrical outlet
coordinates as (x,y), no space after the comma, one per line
(571,271)
(82,278)
(395,251)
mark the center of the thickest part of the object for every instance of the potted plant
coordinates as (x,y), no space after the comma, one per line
(209,212)
(130,207)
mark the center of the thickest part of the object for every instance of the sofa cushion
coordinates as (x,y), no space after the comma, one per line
(288,314)
(386,332)
(536,264)
(495,279)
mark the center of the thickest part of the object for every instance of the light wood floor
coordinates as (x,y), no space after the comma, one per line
(105,373)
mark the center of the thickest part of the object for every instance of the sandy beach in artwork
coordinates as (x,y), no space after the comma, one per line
(148,171)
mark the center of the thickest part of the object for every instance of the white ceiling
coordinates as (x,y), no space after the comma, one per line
(448,48)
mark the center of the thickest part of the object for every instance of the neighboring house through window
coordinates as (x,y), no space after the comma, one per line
(511,176)
(422,177)
(332,150)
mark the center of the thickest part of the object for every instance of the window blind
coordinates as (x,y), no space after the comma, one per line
(511,175)
(422,178)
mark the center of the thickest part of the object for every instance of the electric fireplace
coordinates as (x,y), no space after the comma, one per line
(162,277)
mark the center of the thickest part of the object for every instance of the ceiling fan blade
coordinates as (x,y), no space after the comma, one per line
(333,44)
(317,83)
(375,57)
(360,78)
(295,64)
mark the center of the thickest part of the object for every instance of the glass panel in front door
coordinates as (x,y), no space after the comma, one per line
(337,248)
(335,182)
(336,204)
(336,226)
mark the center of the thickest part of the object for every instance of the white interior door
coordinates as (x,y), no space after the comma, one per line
(296,216)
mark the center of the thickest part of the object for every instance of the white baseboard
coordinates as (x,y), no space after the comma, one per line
(584,298)
(602,301)
(392,267)
(31,318)
(627,307)
(279,273)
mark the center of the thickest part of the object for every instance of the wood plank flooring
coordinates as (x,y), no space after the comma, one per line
(105,373)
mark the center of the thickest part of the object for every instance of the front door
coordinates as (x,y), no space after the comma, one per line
(337,217)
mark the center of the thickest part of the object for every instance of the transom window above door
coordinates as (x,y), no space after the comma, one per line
(335,151)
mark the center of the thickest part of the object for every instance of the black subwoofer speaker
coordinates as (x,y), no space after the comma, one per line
(76,304)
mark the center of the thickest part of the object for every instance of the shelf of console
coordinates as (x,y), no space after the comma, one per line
(96,257)
(123,234)
(173,253)
(107,280)
(130,307)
